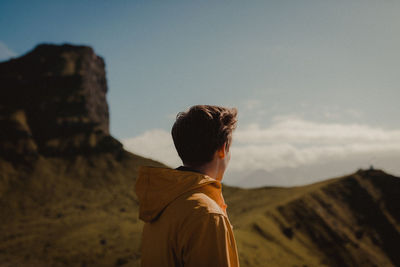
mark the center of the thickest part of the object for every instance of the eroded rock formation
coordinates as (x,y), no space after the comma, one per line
(53,102)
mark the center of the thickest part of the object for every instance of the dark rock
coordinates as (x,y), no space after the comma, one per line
(121,261)
(359,234)
(288,232)
(53,102)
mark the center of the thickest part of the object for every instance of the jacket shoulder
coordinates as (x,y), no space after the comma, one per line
(204,203)
(196,203)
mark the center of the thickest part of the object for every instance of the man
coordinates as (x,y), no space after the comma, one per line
(185,217)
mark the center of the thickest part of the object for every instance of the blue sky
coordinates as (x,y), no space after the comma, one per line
(320,62)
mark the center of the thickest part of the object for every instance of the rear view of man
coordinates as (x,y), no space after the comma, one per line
(185,217)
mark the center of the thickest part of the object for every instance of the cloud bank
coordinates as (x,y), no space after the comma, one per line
(289,144)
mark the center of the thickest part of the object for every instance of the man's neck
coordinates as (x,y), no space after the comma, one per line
(210,169)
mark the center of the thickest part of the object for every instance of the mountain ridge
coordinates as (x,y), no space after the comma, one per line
(311,218)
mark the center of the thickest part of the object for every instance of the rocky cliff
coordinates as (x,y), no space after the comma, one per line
(53,103)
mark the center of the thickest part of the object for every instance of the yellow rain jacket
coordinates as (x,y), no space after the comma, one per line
(185,220)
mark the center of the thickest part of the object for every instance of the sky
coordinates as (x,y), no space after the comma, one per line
(316,83)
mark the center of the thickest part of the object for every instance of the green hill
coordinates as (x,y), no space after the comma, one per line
(348,221)
(76,212)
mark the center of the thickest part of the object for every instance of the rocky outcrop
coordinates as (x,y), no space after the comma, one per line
(53,102)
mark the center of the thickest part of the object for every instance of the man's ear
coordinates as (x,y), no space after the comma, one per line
(222,151)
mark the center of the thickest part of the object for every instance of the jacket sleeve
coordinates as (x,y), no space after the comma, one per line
(209,241)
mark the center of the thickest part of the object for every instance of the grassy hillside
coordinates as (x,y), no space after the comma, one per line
(347,221)
(83,211)
(70,212)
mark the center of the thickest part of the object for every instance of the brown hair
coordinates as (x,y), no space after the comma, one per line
(202,130)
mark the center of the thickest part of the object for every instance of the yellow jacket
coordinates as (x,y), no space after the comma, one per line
(185,220)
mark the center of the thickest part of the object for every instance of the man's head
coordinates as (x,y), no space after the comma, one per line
(201,131)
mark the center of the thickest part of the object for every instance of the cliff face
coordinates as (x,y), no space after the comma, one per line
(53,102)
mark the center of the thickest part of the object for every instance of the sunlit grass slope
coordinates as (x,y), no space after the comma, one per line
(347,221)
(70,212)
(82,211)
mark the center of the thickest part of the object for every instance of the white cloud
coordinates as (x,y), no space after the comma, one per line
(5,52)
(294,130)
(155,144)
(289,142)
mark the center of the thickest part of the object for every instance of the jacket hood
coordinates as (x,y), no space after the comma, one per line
(157,187)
